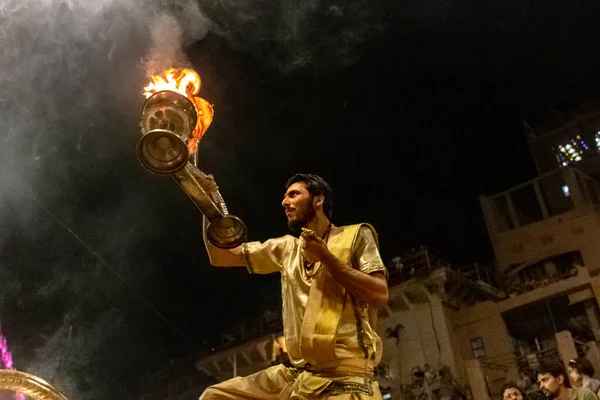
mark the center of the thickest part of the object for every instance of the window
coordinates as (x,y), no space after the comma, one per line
(572,150)
(477,347)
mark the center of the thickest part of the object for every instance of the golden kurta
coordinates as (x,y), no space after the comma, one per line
(355,336)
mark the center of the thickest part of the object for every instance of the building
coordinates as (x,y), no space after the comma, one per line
(544,303)
(422,326)
(239,351)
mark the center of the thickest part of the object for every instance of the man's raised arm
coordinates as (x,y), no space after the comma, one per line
(222,257)
(218,257)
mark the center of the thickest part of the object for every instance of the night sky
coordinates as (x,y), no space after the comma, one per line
(409,109)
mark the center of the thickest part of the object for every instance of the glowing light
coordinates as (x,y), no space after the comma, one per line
(5,355)
(187,82)
(573,150)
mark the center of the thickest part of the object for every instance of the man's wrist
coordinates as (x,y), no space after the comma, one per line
(330,261)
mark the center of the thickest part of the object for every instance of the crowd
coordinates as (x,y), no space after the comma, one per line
(553,381)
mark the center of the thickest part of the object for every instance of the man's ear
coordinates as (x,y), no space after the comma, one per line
(319,200)
(560,379)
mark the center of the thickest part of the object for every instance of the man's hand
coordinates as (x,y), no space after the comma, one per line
(315,249)
(207,182)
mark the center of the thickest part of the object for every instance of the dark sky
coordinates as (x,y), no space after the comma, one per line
(410,110)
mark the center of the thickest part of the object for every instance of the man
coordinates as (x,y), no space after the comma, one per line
(333,281)
(553,381)
(581,372)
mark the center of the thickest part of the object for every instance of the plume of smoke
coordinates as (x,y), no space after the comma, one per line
(168,39)
(293,34)
(71,74)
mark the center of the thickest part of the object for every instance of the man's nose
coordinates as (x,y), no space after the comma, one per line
(285,202)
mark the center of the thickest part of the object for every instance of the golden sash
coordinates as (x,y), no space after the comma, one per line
(326,301)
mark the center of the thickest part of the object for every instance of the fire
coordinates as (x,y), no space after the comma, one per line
(187,82)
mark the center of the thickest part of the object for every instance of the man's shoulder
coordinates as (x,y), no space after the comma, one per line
(361,228)
(283,239)
(364,231)
(357,225)
(583,394)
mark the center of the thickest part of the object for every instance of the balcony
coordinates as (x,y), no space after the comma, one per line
(418,274)
(548,196)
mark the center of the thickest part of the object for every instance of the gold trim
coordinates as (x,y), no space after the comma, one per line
(336,388)
(30,385)
(246,253)
(360,332)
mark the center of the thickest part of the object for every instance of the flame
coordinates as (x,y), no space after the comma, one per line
(187,82)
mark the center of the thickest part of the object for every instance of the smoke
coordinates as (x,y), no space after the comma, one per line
(71,75)
(289,35)
(169,39)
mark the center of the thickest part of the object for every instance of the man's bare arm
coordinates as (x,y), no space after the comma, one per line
(368,288)
(218,257)
(222,257)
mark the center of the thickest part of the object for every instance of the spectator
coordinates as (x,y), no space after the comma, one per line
(581,372)
(554,382)
(511,391)
(429,374)
(524,382)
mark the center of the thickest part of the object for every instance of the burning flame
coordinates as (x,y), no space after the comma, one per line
(187,82)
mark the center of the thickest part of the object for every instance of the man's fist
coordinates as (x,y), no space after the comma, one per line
(208,183)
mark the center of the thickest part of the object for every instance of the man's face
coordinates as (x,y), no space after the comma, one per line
(512,394)
(575,377)
(299,207)
(550,385)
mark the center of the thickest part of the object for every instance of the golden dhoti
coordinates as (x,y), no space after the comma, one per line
(282,383)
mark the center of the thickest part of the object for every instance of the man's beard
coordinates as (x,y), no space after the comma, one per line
(549,395)
(302,218)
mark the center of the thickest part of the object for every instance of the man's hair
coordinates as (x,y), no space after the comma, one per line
(316,186)
(512,385)
(583,366)
(555,369)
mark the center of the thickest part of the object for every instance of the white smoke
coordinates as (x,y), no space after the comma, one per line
(71,75)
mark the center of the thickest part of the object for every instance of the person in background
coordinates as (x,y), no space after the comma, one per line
(511,391)
(581,372)
(524,382)
(554,382)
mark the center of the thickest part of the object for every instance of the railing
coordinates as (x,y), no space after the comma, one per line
(269,322)
(544,197)
(416,263)
(420,263)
